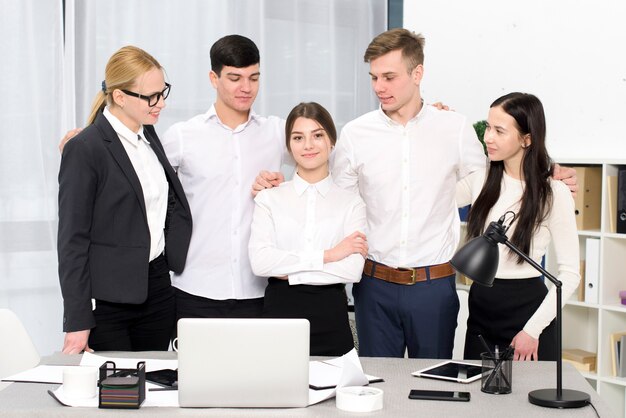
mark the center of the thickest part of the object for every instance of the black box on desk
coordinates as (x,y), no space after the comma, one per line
(121,388)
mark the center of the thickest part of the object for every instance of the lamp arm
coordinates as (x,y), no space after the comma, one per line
(533,263)
(559,327)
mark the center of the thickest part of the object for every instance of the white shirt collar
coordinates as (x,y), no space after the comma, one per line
(392,122)
(122,130)
(301,185)
(212,114)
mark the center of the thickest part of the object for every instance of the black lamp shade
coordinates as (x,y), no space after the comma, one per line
(478,260)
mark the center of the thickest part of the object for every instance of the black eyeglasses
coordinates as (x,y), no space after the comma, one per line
(153,99)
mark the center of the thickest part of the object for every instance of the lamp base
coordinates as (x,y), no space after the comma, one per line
(569,398)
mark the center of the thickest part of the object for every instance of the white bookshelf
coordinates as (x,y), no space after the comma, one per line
(588,326)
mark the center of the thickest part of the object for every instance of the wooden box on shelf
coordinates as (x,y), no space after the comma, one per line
(587,200)
(583,360)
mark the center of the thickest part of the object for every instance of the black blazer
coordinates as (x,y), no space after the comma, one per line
(103,239)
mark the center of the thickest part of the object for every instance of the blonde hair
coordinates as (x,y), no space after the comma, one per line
(410,43)
(121,72)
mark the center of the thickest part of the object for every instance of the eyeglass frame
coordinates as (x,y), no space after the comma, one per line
(165,93)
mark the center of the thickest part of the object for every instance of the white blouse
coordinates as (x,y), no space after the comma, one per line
(294,224)
(559,227)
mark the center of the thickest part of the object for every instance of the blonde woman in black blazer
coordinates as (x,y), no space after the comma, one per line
(124,221)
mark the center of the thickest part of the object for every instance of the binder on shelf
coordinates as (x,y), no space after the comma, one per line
(621,200)
(616,339)
(587,200)
(622,357)
(592,269)
(611,185)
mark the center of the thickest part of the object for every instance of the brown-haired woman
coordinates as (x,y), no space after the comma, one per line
(307,236)
(124,222)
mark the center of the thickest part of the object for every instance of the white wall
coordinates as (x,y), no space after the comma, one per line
(571,54)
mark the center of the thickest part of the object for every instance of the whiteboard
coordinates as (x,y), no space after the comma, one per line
(571,54)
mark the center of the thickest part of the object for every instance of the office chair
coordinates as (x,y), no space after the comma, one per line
(459,336)
(17,351)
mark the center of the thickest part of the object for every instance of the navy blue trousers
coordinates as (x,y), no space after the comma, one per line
(393,317)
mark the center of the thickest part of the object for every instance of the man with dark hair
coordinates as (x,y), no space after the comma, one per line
(217,156)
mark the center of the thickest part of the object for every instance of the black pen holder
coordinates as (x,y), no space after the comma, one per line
(121,388)
(497,375)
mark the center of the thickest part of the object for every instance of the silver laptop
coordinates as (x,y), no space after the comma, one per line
(262,363)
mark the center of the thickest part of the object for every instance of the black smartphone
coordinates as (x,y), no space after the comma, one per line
(439,395)
(163,377)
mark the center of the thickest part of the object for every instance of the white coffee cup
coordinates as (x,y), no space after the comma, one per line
(80,382)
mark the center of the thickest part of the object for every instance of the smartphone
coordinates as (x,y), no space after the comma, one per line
(164,377)
(439,395)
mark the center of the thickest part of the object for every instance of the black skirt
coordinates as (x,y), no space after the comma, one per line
(498,313)
(326,308)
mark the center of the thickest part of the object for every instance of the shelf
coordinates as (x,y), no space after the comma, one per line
(589,326)
(616,308)
(583,304)
(619,381)
(590,233)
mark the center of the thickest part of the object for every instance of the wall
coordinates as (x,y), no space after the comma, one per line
(569,54)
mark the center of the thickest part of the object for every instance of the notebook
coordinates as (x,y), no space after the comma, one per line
(259,363)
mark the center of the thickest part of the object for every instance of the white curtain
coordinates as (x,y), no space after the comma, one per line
(31,87)
(311,50)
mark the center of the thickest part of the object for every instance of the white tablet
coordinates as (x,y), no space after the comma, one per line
(457,371)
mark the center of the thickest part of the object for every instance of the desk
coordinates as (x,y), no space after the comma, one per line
(32,400)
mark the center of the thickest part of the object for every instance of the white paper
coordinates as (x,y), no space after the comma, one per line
(39,374)
(61,397)
(90,359)
(339,372)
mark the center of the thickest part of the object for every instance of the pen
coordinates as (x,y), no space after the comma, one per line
(482,340)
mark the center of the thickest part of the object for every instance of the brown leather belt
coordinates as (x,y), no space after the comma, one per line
(407,275)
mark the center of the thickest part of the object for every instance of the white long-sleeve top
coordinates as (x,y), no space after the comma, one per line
(216,166)
(559,225)
(294,223)
(406,176)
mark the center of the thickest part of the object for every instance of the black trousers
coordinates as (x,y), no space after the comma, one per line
(326,308)
(192,306)
(144,327)
(500,312)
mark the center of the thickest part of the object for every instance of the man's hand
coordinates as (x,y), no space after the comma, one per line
(525,347)
(267,180)
(568,176)
(76,342)
(441,106)
(69,135)
(355,243)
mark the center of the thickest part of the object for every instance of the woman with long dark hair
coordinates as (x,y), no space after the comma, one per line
(519,310)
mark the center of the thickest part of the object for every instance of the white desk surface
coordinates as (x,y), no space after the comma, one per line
(32,400)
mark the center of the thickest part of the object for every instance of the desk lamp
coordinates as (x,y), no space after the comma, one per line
(478,260)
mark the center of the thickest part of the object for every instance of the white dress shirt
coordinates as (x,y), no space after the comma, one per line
(559,226)
(151,176)
(407,177)
(294,223)
(217,166)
